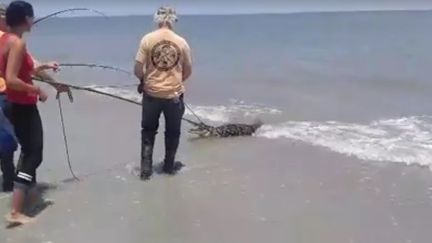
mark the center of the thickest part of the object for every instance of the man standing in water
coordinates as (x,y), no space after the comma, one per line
(163,63)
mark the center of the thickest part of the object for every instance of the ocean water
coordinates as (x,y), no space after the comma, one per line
(355,83)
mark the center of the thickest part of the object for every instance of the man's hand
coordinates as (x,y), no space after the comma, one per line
(140,88)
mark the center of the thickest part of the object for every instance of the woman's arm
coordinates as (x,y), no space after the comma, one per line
(45,66)
(42,74)
(15,58)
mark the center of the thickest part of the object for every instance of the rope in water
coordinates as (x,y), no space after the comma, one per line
(194,114)
(65,137)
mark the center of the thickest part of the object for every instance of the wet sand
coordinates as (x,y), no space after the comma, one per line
(232,190)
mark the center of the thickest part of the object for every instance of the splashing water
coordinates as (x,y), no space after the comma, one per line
(405,140)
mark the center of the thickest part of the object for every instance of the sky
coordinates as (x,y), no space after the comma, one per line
(142,7)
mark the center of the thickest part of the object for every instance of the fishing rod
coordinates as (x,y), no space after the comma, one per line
(92,90)
(114,86)
(87,88)
(65,11)
(92,65)
(117,69)
(104,67)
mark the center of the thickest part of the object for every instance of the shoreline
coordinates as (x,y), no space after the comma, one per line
(235,190)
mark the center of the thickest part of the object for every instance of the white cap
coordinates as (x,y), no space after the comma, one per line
(165,15)
(3,8)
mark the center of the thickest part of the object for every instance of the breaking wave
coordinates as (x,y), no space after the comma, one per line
(405,140)
(220,113)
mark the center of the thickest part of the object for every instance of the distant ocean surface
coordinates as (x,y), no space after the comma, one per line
(357,83)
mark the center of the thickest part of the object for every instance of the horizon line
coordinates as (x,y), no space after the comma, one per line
(260,13)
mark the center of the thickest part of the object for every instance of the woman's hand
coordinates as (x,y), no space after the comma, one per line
(47,66)
(42,95)
(52,65)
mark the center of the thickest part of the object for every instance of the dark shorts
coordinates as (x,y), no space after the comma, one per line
(28,129)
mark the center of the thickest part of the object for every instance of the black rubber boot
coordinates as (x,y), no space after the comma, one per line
(170,165)
(147,157)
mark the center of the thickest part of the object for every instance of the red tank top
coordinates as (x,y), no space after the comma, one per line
(25,74)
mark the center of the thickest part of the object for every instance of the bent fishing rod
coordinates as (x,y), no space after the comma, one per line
(92,65)
(117,69)
(104,67)
(69,93)
(92,90)
(65,11)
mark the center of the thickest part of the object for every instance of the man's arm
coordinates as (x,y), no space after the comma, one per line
(139,70)
(187,63)
(140,60)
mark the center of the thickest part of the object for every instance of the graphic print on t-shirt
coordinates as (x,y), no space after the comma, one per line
(165,55)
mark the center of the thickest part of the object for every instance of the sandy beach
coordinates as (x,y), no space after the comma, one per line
(232,190)
(344,155)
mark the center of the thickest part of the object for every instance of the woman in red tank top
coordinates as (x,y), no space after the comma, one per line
(19,92)
(18,67)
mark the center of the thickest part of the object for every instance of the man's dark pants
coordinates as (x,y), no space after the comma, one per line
(173,110)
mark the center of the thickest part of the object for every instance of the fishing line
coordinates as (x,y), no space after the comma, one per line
(193,113)
(91,65)
(113,86)
(101,66)
(92,90)
(65,137)
(117,69)
(100,93)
